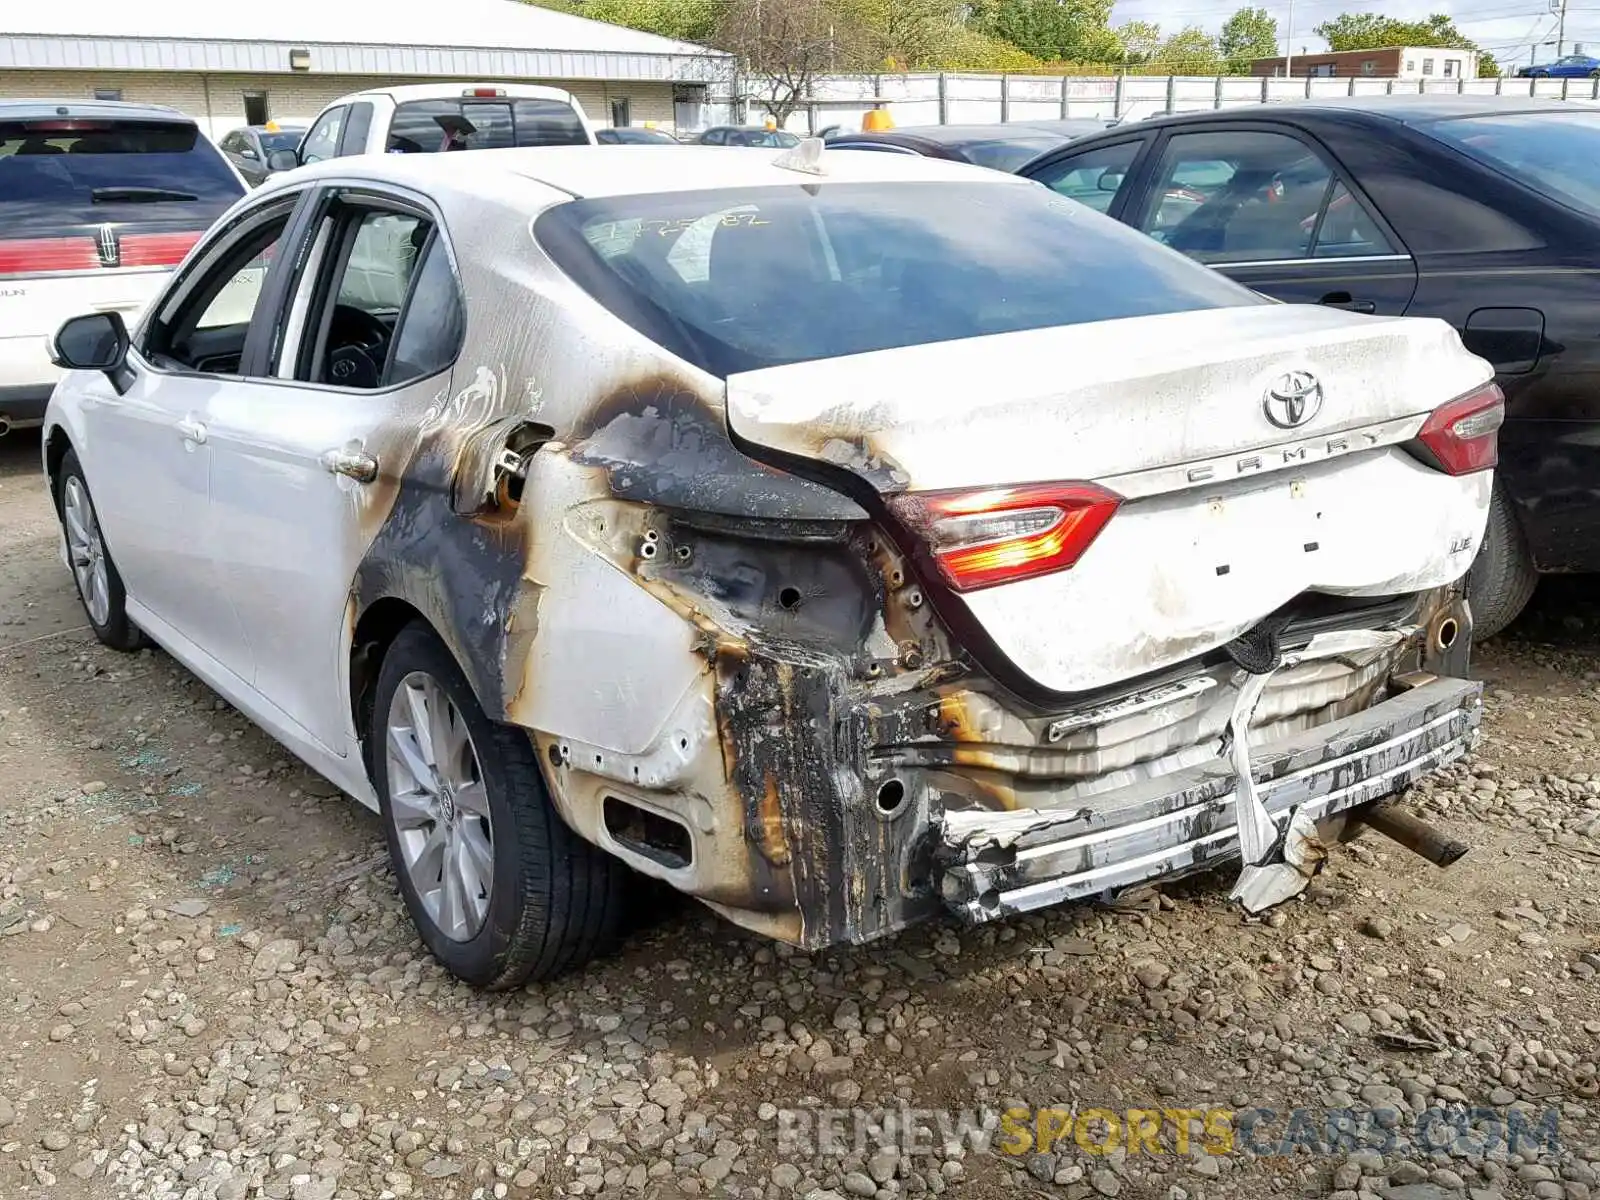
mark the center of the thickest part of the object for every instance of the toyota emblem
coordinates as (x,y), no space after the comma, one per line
(1294,398)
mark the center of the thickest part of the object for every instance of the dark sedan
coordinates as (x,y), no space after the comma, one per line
(249,148)
(634,136)
(1481,211)
(1001,147)
(748,135)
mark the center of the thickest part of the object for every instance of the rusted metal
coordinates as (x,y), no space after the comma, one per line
(1414,834)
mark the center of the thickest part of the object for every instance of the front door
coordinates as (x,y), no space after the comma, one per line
(298,468)
(149,459)
(1271,211)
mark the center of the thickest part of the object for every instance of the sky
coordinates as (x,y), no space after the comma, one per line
(1508,28)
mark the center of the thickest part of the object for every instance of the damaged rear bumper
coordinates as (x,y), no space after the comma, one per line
(994,863)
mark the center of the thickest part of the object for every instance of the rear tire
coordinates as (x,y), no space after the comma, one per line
(1502,578)
(531,899)
(100,590)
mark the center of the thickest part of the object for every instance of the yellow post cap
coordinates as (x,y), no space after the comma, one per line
(271,127)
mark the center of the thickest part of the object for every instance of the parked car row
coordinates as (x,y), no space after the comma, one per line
(1482,212)
(789,528)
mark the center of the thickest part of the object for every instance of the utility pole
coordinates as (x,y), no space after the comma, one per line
(1559,7)
(1288,42)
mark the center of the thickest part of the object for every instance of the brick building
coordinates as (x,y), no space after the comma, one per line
(230,64)
(1390,62)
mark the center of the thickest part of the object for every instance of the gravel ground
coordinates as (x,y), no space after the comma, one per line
(209,988)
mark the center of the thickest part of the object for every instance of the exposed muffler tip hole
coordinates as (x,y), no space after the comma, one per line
(789,599)
(891,796)
(1449,630)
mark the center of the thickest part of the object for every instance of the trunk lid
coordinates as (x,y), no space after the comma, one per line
(1234,501)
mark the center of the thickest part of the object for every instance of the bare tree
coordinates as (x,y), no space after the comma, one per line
(782,47)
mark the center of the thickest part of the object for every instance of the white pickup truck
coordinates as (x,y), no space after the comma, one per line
(428,118)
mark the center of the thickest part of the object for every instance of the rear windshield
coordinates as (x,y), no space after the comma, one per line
(739,280)
(429,126)
(109,164)
(1556,153)
(1009,154)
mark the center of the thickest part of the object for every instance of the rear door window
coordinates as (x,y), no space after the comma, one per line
(1251,195)
(431,126)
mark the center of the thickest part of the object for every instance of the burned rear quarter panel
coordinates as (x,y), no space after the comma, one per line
(549,630)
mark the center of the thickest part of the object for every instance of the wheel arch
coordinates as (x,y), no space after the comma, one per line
(57,443)
(373,633)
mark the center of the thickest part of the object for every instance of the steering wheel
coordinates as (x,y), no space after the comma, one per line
(360,343)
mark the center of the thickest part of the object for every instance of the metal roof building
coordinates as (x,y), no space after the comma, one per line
(229,64)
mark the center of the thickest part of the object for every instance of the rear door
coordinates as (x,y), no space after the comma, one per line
(93,214)
(1267,207)
(372,327)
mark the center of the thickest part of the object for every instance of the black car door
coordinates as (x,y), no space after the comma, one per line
(1269,207)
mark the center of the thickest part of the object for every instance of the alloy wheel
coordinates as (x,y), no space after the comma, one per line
(439,806)
(87,550)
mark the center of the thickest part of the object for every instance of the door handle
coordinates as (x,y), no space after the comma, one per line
(1348,302)
(192,431)
(356,464)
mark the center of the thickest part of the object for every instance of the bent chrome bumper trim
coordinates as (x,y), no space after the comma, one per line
(998,863)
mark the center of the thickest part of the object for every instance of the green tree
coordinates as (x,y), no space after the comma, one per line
(1139,40)
(685,20)
(1249,34)
(904,34)
(1369,31)
(1055,30)
(1190,51)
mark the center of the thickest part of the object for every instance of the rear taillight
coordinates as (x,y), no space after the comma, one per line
(157,249)
(1463,436)
(1001,535)
(29,256)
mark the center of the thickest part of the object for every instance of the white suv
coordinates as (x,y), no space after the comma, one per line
(427,118)
(97,203)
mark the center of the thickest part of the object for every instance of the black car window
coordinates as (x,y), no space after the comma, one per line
(430,330)
(1006,154)
(1347,229)
(111,170)
(430,126)
(323,140)
(743,279)
(1554,153)
(282,139)
(1095,177)
(1239,195)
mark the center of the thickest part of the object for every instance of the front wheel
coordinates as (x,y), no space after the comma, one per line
(501,890)
(105,601)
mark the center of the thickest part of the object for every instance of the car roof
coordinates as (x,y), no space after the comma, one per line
(1402,110)
(401,93)
(33,110)
(945,135)
(586,171)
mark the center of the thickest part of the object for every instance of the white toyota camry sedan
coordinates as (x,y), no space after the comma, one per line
(842,539)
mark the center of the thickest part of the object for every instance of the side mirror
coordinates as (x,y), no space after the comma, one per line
(1109,181)
(96,342)
(283,160)
(247,152)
